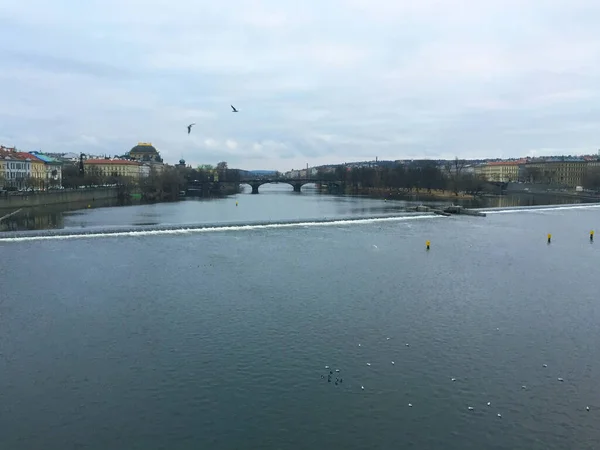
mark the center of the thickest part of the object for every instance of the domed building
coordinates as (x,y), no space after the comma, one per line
(144,151)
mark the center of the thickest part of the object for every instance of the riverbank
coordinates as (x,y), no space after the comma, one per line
(589,196)
(39,199)
(511,197)
(64,196)
(48,217)
(413,194)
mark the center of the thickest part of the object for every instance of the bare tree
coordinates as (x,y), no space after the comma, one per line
(454,171)
(30,183)
(93,176)
(71,176)
(222,170)
(591,178)
(532,174)
(165,185)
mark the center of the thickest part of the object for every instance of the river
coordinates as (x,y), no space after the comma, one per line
(186,337)
(276,202)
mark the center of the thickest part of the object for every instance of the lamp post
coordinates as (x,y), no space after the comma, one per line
(81,168)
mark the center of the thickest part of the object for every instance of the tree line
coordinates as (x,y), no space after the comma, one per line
(451,176)
(415,176)
(29,182)
(163,184)
(207,173)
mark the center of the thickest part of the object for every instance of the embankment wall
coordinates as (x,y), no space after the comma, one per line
(33,199)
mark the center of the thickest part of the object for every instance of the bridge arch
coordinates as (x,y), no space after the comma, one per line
(295,183)
(255,186)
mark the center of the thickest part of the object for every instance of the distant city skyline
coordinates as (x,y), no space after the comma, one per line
(351,163)
(314,82)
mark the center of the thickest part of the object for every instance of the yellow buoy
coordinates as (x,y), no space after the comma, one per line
(549,238)
(592,235)
(427,244)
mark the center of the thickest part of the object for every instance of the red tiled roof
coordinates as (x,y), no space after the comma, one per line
(24,155)
(122,162)
(20,156)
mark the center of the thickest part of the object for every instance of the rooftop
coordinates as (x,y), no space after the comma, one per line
(507,163)
(120,162)
(44,158)
(17,156)
(144,147)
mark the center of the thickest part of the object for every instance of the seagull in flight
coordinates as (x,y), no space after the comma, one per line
(190,127)
(234,110)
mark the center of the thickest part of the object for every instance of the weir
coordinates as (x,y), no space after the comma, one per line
(200,228)
(449,210)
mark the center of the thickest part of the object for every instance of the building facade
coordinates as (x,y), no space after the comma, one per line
(144,170)
(499,171)
(16,167)
(51,172)
(117,168)
(568,173)
(38,170)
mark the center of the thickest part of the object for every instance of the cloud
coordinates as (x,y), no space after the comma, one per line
(315,82)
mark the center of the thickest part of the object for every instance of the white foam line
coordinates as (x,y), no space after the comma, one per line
(215,229)
(555,208)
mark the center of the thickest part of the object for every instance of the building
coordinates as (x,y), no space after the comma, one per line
(3,162)
(499,171)
(158,167)
(52,169)
(144,151)
(144,170)
(568,172)
(563,171)
(469,169)
(38,170)
(118,168)
(593,162)
(16,168)
(64,157)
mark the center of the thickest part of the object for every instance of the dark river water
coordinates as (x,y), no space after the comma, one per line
(219,338)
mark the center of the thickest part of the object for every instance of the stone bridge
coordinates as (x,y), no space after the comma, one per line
(296,183)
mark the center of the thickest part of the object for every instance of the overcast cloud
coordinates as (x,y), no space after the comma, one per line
(315,81)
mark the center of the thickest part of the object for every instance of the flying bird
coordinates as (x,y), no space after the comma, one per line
(234,110)
(190,127)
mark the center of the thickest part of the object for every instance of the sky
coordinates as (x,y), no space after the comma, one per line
(315,82)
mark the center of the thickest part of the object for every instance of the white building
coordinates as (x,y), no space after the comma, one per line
(144,170)
(17,168)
